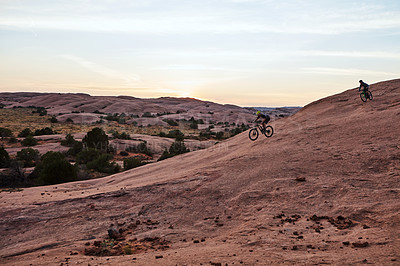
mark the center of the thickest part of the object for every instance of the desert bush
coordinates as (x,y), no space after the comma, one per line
(102,164)
(28,157)
(44,131)
(4,158)
(40,110)
(194,125)
(53,119)
(25,133)
(69,141)
(171,122)
(54,169)
(29,141)
(142,148)
(176,148)
(220,135)
(132,162)
(147,114)
(176,134)
(88,155)
(164,155)
(12,140)
(69,120)
(5,132)
(123,135)
(96,139)
(75,149)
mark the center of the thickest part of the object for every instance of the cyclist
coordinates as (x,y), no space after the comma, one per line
(265,119)
(364,86)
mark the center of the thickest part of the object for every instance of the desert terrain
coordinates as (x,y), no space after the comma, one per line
(324,189)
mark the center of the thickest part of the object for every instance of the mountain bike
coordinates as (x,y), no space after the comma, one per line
(365,95)
(253,133)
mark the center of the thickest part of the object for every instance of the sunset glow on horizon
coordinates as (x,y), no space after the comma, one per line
(243,52)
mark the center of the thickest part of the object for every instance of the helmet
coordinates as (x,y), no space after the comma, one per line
(258,112)
(360,81)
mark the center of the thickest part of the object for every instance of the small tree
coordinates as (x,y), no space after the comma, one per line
(102,164)
(44,131)
(88,155)
(142,148)
(176,134)
(76,148)
(5,132)
(25,133)
(28,157)
(69,141)
(29,141)
(164,155)
(4,158)
(132,162)
(96,139)
(55,169)
(178,147)
(220,135)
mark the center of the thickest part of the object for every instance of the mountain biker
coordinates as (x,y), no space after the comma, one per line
(265,119)
(364,86)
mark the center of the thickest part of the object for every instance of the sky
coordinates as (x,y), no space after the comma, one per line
(243,52)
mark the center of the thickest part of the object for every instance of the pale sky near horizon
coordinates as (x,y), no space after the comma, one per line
(244,52)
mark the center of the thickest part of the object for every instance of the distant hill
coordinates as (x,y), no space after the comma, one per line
(84,108)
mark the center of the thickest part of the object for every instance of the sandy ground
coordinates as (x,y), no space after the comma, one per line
(323,190)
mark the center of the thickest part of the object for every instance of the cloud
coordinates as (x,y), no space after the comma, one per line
(102,70)
(213,17)
(345,71)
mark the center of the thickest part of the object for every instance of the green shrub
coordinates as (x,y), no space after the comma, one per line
(53,119)
(54,169)
(176,148)
(123,135)
(29,157)
(164,155)
(176,134)
(194,125)
(5,132)
(171,122)
(69,120)
(25,133)
(96,139)
(220,135)
(87,155)
(12,140)
(69,141)
(76,148)
(132,162)
(142,148)
(29,141)
(4,158)
(147,114)
(44,131)
(102,164)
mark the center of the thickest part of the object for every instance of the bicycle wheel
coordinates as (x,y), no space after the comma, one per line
(269,131)
(370,95)
(363,97)
(253,134)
